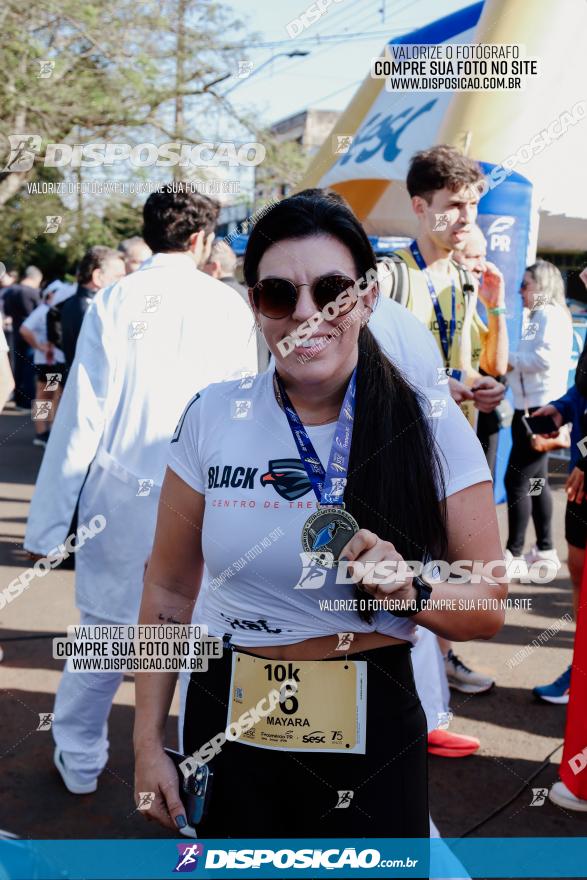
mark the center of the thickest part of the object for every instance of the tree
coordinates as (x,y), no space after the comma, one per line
(99,70)
(284,166)
(24,238)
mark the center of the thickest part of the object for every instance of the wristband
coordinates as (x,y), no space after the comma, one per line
(498,310)
(423,592)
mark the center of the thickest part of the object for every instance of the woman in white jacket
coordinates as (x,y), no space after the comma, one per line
(538,373)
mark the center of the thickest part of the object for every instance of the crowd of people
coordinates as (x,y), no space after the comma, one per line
(319,443)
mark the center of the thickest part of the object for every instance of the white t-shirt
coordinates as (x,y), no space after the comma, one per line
(234,445)
(37,324)
(406,341)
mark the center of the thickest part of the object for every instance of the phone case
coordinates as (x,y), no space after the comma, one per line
(194,790)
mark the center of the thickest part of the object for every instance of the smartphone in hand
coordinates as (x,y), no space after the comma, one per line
(540,424)
(194,790)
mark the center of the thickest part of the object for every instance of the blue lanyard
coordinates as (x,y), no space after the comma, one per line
(328,485)
(445,339)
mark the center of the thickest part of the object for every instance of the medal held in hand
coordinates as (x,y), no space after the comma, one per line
(331,527)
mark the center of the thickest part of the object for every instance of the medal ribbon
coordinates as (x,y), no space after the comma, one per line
(445,338)
(328,485)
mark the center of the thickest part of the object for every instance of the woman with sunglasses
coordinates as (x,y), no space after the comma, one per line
(277,496)
(537,373)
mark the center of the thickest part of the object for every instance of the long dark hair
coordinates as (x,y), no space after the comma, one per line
(395,485)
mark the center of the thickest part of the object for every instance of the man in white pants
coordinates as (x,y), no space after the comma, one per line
(147,344)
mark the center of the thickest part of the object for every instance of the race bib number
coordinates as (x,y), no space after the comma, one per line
(326,712)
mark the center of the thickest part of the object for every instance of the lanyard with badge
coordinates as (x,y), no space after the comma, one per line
(327,710)
(331,527)
(446,338)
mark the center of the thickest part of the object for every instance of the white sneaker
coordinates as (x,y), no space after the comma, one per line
(71,780)
(536,555)
(516,567)
(562,796)
(463,679)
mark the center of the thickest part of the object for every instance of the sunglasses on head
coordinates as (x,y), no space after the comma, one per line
(277,297)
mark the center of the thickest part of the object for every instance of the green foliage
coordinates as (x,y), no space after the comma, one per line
(119,71)
(23,240)
(283,167)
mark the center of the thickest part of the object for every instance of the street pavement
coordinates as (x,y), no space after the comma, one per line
(493,787)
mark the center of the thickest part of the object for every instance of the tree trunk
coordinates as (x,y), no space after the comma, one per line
(11,184)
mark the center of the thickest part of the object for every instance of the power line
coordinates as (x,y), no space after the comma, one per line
(348,14)
(326,97)
(355,17)
(332,21)
(321,51)
(319,37)
(276,44)
(347,21)
(334,38)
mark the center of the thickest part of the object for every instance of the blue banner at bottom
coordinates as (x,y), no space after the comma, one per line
(534,857)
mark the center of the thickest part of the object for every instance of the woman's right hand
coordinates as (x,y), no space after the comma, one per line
(550,410)
(575,486)
(155,772)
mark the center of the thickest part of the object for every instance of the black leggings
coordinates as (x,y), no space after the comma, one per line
(488,434)
(269,793)
(524,466)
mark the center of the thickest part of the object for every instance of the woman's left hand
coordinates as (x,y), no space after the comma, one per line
(366,548)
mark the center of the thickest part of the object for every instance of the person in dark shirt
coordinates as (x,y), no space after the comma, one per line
(99,267)
(18,302)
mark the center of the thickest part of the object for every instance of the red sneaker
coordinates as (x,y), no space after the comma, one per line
(451,745)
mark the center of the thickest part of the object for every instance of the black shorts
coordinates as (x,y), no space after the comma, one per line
(269,793)
(576,524)
(42,371)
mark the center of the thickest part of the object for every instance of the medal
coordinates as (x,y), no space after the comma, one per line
(326,532)
(330,528)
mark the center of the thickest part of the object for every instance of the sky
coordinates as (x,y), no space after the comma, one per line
(330,74)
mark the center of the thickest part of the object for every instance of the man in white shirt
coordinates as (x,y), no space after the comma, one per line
(147,344)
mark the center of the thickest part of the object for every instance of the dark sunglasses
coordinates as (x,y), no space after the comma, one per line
(277,297)
(523,285)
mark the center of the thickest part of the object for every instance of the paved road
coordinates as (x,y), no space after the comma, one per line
(517,734)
